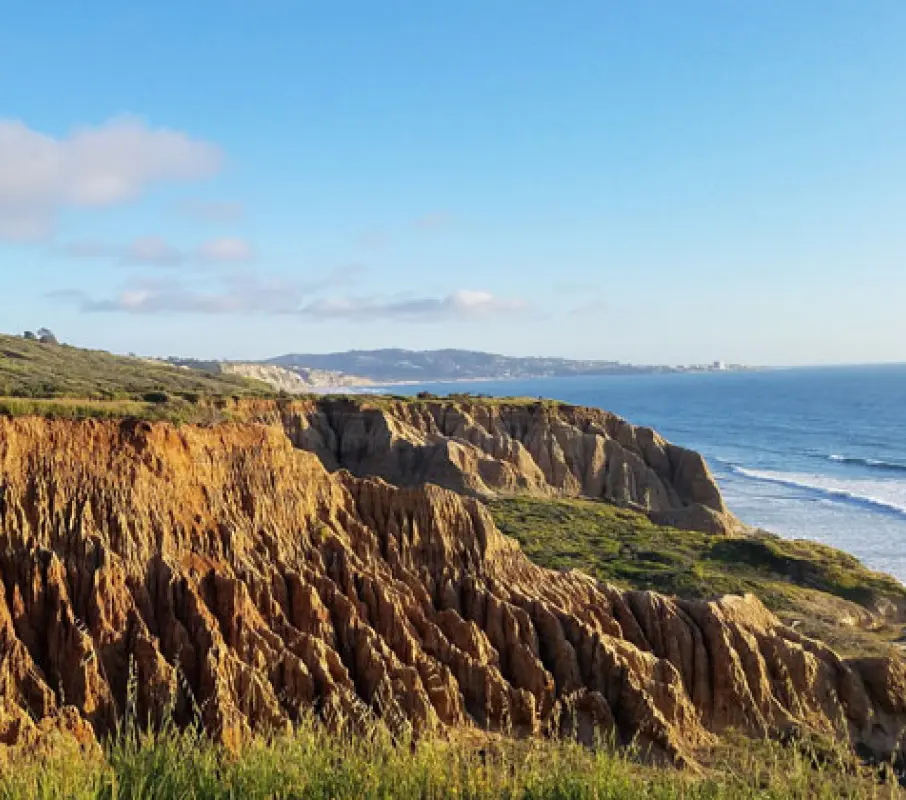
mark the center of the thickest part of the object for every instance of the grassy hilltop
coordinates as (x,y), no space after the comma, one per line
(34,369)
(60,380)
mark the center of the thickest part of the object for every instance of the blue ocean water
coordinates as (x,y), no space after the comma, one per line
(806,453)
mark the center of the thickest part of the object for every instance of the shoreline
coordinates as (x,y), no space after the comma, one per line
(515,378)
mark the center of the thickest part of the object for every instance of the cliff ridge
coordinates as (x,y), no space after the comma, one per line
(488,448)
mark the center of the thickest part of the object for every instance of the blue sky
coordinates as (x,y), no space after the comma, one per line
(648,181)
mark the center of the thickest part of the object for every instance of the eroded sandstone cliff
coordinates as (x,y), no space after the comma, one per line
(503,448)
(223,572)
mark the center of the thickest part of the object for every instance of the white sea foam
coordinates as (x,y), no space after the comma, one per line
(883,495)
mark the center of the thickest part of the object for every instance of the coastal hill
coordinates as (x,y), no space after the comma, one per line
(488,567)
(394,365)
(33,369)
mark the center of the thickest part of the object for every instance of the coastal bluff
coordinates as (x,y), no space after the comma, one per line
(492,448)
(231,573)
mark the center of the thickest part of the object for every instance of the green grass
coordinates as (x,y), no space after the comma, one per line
(312,763)
(804,582)
(200,411)
(33,370)
(63,382)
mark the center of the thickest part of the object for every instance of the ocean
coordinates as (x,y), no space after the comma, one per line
(815,453)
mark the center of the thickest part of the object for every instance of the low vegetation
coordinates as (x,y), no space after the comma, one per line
(31,368)
(825,592)
(312,763)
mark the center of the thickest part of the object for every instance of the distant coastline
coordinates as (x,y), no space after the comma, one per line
(377,386)
(398,367)
(364,371)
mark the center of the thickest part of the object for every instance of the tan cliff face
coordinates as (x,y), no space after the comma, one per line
(222,572)
(505,448)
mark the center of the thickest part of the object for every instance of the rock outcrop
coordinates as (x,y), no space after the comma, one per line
(486,449)
(223,573)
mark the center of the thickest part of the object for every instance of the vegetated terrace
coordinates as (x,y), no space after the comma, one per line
(821,591)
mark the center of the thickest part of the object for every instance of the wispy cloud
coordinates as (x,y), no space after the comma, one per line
(252,293)
(152,251)
(241,293)
(463,304)
(228,250)
(155,251)
(590,308)
(92,167)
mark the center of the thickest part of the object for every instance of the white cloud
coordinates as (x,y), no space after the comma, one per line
(92,167)
(471,302)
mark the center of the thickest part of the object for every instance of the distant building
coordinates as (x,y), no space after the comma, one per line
(719,366)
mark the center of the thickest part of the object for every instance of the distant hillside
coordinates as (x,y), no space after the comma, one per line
(439,365)
(34,369)
(292,379)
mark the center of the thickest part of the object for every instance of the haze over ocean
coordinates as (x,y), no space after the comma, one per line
(805,453)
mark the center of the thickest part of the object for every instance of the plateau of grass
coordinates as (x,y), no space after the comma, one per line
(806,583)
(312,763)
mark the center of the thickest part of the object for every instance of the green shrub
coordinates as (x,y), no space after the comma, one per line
(156,397)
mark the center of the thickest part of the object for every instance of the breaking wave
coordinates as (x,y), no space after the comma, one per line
(872,463)
(886,496)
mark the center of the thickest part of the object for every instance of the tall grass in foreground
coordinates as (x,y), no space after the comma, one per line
(315,764)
